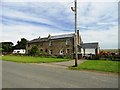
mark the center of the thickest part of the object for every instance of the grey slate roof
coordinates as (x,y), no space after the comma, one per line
(90,45)
(51,38)
(38,40)
(62,36)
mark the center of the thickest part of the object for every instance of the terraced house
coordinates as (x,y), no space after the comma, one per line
(56,45)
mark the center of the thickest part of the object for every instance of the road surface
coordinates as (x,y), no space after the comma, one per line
(19,75)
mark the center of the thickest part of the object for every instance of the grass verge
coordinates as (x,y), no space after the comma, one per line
(99,65)
(31,59)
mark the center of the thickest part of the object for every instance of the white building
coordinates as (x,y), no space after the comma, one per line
(20,51)
(89,48)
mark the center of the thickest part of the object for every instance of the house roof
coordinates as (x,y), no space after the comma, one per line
(51,38)
(90,45)
(62,36)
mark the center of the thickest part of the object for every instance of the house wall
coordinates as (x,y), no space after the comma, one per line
(57,46)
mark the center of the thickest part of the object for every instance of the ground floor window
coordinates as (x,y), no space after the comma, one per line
(61,52)
(41,50)
(67,51)
(50,51)
(46,50)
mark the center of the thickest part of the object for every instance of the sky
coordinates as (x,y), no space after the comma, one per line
(97,20)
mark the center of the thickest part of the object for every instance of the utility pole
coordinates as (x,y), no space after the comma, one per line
(75,46)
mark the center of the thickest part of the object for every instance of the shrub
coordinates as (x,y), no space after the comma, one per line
(34,50)
(95,57)
(60,56)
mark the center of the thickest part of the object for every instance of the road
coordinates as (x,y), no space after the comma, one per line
(18,75)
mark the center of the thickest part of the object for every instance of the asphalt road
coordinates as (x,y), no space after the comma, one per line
(18,75)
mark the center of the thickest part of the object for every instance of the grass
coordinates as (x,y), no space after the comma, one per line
(99,65)
(31,59)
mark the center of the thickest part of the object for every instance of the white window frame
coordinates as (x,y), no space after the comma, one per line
(61,52)
(50,43)
(67,51)
(67,41)
(50,51)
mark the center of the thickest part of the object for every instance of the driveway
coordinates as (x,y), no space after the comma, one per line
(62,64)
(19,75)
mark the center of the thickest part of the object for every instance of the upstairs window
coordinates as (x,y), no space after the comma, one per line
(28,45)
(67,42)
(50,43)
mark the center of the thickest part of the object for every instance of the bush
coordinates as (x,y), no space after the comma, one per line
(95,57)
(60,56)
(34,50)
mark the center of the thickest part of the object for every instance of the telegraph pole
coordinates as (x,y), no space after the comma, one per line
(76,49)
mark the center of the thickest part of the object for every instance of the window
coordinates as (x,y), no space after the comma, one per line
(67,42)
(50,51)
(41,50)
(28,45)
(61,52)
(28,51)
(46,50)
(50,43)
(68,51)
(18,51)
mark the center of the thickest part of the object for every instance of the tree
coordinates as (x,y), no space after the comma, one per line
(34,50)
(21,44)
(7,47)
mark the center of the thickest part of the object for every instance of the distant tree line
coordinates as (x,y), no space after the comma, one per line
(8,47)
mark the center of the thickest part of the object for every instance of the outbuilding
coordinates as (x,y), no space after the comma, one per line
(20,51)
(89,48)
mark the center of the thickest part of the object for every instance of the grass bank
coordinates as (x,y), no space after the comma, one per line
(31,59)
(99,65)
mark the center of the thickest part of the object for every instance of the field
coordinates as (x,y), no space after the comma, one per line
(31,59)
(99,65)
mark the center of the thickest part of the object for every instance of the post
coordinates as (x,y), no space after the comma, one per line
(76,55)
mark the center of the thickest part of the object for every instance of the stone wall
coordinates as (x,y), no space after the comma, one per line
(55,47)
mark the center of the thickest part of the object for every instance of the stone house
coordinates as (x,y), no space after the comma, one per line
(56,45)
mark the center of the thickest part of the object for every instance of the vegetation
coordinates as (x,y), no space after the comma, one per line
(99,65)
(34,50)
(21,44)
(7,47)
(1,49)
(31,59)
(109,50)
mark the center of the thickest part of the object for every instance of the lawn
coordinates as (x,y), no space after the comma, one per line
(31,59)
(99,65)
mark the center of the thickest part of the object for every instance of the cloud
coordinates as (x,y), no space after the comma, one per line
(97,13)
(14,33)
(46,14)
(106,38)
(33,19)
(59,1)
